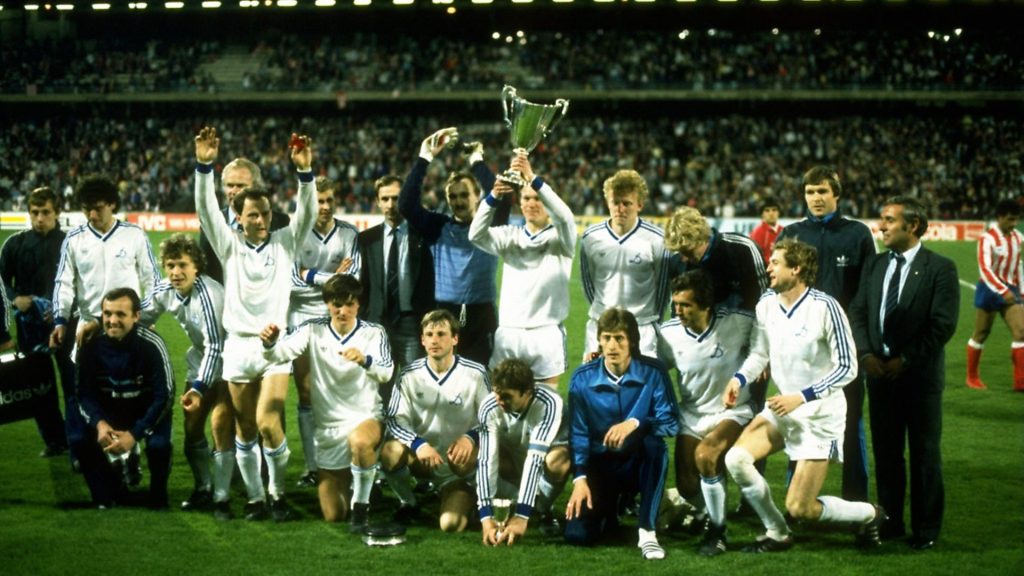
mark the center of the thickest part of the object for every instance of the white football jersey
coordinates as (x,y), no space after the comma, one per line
(707,361)
(199,315)
(536,269)
(525,437)
(437,408)
(92,264)
(342,391)
(257,279)
(810,346)
(321,255)
(629,271)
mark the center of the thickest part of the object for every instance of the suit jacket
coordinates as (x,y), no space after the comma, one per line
(421,273)
(214,269)
(922,323)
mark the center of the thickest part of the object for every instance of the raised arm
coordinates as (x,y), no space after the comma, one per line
(305,212)
(218,232)
(428,224)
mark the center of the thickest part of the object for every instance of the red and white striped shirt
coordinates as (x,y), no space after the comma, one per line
(999,259)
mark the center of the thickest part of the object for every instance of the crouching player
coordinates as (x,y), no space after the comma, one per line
(518,425)
(196,301)
(622,407)
(706,344)
(433,424)
(348,360)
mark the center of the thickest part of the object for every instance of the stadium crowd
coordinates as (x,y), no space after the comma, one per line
(709,59)
(722,165)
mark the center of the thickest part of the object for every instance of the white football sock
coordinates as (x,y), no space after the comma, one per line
(362,483)
(198,456)
(398,479)
(277,462)
(838,510)
(223,470)
(307,431)
(713,490)
(251,467)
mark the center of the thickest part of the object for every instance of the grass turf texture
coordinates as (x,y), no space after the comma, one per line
(47,527)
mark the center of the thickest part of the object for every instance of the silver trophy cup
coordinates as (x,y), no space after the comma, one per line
(529,123)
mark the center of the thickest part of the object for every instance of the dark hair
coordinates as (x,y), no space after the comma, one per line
(914,210)
(460,175)
(770,202)
(342,289)
(513,374)
(700,283)
(386,180)
(819,174)
(96,188)
(800,255)
(124,292)
(440,316)
(179,245)
(1007,208)
(620,320)
(254,193)
(40,196)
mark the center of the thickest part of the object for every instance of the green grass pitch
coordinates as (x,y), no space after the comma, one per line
(46,527)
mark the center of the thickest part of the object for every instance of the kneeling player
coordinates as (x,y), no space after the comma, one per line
(622,407)
(706,344)
(433,425)
(349,359)
(518,425)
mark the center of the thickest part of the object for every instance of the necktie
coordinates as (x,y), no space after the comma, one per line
(394,308)
(892,293)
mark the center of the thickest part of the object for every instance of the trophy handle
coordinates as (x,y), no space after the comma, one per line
(508,97)
(563,105)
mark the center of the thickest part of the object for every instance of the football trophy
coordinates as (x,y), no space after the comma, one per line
(529,123)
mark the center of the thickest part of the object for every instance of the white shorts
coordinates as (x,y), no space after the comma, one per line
(700,425)
(648,338)
(332,449)
(542,348)
(244,361)
(814,431)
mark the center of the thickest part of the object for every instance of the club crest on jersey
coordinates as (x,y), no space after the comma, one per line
(457,401)
(122,253)
(268,262)
(801,332)
(718,351)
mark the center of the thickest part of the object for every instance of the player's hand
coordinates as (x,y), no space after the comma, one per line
(270,334)
(207,145)
(436,142)
(122,442)
(580,497)
(460,453)
(732,393)
(57,336)
(353,355)
(522,164)
(490,532)
(616,435)
(591,356)
(785,404)
(345,265)
(514,530)
(1009,297)
(22,303)
(302,151)
(428,456)
(104,434)
(86,332)
(191,401)
(501,189)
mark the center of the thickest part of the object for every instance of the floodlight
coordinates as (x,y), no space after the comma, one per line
(361,2)
(325,3)
(287,3)
(442,1)
(101,6)
(403,2)
(31,7)
(174,5)
(65,7)
(482,1)
(211,4)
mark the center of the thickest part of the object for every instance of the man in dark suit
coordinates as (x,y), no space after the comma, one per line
(399,299)
(904,313)
(239,174)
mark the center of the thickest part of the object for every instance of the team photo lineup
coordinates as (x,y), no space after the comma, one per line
(408,368)
(439,287)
